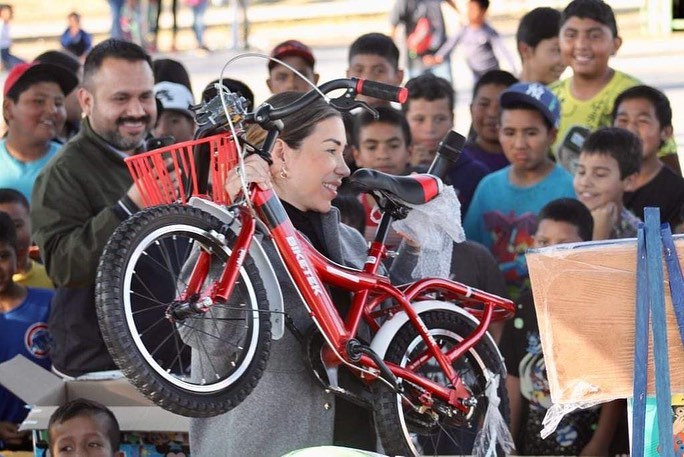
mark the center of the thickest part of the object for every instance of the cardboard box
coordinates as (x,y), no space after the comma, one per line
(45,392)
(585,298)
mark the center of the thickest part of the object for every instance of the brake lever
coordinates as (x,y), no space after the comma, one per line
(258,151)
(344,103)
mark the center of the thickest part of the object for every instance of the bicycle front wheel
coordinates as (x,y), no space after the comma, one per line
(191,362)
(404,431)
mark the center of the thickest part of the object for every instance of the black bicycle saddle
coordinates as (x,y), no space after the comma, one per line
(415,189)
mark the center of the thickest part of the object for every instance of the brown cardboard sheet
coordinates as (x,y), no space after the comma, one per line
(585,297)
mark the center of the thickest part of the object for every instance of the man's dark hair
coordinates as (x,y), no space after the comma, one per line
(659,100)
(494,77)
(172,71)
(375,44)
(8,232)
(62,59)
(386,115)
(597,10)
(82,407)
(622,145)
(571,211)
(539,24)
(114,48)
(484,4)
(8,195)
(429,87)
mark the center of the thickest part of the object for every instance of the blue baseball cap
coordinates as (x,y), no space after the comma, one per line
(536,95)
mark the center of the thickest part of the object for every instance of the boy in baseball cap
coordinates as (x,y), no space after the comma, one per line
(503,212)
(33,109)
(174,116)
(300,57)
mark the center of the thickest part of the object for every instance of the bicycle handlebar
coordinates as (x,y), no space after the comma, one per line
(266,112)
(381,91)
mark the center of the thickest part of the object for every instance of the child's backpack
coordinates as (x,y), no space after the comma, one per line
(418,42)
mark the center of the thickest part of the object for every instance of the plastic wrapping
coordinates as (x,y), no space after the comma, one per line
(494,432)
(435,225)
(554,415)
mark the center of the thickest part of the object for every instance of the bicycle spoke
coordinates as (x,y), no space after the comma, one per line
(149,256)
(160,320)
(142,283)
(173,272)
(196,330)
(216,374)
(179,357)
(149,308)
(154,352)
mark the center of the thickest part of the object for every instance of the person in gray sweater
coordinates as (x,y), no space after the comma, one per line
(289,409)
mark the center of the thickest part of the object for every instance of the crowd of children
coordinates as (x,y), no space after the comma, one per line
(547,161)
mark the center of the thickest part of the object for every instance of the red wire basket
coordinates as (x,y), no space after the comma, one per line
(163,175)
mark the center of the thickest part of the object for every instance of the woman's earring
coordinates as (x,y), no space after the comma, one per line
(283,172)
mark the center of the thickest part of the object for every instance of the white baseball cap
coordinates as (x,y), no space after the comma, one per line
(174,97)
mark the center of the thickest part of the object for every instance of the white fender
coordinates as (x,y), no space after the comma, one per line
(389,328)
(261,260)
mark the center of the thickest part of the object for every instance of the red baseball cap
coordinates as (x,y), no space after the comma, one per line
(38,71)
(292,48)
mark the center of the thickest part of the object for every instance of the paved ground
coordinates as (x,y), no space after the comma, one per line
(331,25)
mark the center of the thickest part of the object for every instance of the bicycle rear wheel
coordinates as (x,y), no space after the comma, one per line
(192,363)
(404,431)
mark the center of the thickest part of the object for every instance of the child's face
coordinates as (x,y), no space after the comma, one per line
(597,181)
(525,138)
(430,121)
(6,14)
(551,233)
(82,436)
(39,113)
(282,79)
(382,146)
(22,224)
(374,67)
(545,61)
(476,14)
(639,117)
(485,112)
(586,45)
(8,266)
(73,21)
(175,124)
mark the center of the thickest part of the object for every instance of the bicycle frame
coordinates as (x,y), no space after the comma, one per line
(310,271)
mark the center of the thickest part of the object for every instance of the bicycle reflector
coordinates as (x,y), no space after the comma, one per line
(174,173)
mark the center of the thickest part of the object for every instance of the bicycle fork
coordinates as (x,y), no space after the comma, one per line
(193,300)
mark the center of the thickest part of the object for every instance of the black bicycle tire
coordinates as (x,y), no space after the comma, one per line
(385,405)
(117,334)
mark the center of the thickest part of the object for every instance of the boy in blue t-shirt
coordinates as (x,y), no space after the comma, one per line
(23,330)
(503,211)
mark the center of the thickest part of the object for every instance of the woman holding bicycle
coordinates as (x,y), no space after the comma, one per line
(289,409)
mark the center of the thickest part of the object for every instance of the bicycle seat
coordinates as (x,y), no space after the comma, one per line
(414,189)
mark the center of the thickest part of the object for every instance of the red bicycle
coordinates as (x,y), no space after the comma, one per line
(187,282)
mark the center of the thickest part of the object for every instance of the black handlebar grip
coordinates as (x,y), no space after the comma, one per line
(381,91)
(448,152)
